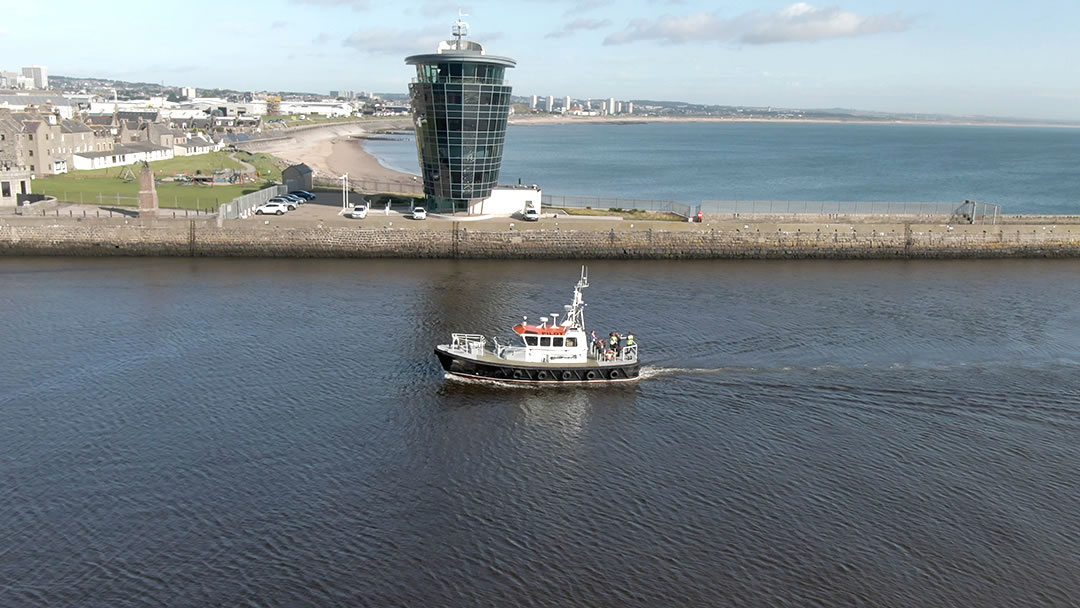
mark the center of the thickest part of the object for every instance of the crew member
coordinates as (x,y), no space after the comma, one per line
(614,341)
(629,339)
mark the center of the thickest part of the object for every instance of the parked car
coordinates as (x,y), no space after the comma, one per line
(304,194)
(284,201)
(419,213)
(531,214)
(274,207)
(358,212)
(299,200)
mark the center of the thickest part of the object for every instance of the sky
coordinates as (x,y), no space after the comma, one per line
(959,57)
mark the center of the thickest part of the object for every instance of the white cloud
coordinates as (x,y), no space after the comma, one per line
(277,25)
(386,41)
(446,10)
(579,24)
(322,38)
(358,5)
(800,22)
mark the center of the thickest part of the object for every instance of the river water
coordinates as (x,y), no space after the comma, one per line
(278,433)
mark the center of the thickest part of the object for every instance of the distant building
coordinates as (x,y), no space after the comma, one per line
(611,105)
(550,107)
(460,105)
(618,107)
(38,75)
(188,93)
(566,104)
(629,107)
(532,104)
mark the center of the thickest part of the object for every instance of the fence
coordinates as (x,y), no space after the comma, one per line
(370,186)
(973,212)
(243,206)
(594,202)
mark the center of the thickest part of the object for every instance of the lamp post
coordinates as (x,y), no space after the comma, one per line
(345,191)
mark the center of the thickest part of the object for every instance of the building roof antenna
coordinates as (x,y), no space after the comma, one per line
(460,29)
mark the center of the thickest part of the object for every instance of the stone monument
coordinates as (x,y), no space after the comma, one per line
(148,201)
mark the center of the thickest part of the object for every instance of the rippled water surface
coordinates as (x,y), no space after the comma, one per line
(1025,170)
(279,433)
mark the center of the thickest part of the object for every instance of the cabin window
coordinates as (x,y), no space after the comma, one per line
(530,340)
(545,341)
(556,342)
(571,342)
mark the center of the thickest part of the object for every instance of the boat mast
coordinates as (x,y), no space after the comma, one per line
(577,307)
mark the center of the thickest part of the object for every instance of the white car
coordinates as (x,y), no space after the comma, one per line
(358,212)
(274,207)
(289,205)
(531,214)
(419,213)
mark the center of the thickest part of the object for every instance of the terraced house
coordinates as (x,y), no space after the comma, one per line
(14,173)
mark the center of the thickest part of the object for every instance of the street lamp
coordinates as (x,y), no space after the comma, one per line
(345,191)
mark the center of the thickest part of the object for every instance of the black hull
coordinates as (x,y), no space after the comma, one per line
(536,373)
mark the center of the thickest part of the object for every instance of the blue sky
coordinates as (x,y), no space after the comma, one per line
(954,57)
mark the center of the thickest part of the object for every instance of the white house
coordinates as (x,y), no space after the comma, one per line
(120,155)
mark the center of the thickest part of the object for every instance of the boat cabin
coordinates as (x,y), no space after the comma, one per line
(550,343)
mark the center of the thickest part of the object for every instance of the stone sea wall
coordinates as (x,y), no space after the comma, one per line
(133,237)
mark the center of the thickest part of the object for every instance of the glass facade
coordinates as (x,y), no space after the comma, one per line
(460,105)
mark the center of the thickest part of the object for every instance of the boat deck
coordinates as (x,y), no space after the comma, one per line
(490,358)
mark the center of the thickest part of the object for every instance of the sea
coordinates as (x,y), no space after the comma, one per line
(265,433)
(1023,169)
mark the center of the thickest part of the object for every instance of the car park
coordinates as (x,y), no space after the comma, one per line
(304,194)
(419,213)
(271,207)
(358,212)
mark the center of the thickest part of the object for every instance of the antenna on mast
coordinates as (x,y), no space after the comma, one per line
(460,28)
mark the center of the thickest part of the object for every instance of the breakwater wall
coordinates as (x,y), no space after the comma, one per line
(659,240)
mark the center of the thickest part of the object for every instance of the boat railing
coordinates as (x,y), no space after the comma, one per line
(626,354)
(472,344)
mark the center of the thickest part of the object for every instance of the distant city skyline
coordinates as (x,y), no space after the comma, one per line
(917,56)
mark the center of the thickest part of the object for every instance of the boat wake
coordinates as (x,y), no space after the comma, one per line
(650,371)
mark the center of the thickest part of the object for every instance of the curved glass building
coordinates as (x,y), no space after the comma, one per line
(460,105)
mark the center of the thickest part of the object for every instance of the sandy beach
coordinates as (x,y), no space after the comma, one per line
(332,151)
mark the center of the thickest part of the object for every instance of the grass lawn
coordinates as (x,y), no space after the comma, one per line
(631,214)
(104,191)
(104,186)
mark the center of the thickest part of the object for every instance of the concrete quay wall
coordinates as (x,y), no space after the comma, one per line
(658,240)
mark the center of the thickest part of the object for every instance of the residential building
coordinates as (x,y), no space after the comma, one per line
(550,107)
(15,175)
(188,93)
(460,106)
(120,155)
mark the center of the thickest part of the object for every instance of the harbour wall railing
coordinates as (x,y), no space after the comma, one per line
(616,203)
(967,212)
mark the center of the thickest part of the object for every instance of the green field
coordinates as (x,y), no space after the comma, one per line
(106,187)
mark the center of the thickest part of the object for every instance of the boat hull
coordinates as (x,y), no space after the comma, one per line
(462,365)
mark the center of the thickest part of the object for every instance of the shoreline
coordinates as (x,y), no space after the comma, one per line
(335,150)
(554,119)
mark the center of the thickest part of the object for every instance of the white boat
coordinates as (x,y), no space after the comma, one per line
(551,352)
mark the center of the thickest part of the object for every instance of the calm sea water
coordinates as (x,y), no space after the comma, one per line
(279,433)
(1026,170)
